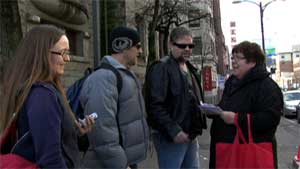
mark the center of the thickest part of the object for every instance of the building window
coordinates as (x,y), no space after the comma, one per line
(75,42)
(198,46)
(297,56)
(75,39)
(282,57)
(194,14)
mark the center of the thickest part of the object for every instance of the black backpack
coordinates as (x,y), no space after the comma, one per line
(74,90)
(73,94)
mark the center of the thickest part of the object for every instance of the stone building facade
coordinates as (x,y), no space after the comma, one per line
(10,32)
(207,55)
(89,22)
(75,16)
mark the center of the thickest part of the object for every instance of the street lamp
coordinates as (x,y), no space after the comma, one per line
(262,8)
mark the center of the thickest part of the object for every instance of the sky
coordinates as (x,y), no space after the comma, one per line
(281,23)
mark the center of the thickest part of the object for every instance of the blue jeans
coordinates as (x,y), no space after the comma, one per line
(176,156)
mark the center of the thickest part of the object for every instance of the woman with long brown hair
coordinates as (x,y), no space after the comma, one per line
(34,94)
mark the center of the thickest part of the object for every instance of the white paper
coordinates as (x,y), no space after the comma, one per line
(210,109)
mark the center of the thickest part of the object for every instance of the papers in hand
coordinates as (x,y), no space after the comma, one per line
(210,109)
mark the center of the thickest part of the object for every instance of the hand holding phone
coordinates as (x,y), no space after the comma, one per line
(93,116)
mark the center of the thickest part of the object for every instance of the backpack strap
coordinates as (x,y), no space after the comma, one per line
(119,86)
(115,71)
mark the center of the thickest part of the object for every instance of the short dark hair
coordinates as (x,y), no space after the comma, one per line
(179,32)
(252,52)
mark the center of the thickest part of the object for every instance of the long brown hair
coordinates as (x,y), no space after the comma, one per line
(31,64)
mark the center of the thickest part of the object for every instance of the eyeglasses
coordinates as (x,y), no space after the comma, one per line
(237,58)
(183,46)
(64,53)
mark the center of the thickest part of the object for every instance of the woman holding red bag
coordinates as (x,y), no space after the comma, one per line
(248,91)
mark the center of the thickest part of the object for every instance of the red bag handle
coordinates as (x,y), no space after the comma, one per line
(249,129)
(239,134)
(9,137)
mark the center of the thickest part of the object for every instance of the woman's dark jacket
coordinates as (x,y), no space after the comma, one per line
(52,139)
(169,103)
(256,94)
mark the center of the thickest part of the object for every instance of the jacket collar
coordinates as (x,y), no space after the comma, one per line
(256,73)
(115,63)
(188,63)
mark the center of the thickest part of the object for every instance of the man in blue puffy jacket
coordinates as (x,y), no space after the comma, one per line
(120,136)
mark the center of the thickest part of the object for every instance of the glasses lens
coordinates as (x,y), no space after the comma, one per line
(237,58)
(138,46)
(183,46)
(65,53)
(191,46)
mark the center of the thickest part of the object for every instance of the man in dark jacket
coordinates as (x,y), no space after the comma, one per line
(173,93)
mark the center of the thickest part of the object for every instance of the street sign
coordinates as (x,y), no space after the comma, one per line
(270,52)
(207,74)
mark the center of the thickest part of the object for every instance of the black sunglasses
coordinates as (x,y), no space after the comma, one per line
(183,46)
(138,46)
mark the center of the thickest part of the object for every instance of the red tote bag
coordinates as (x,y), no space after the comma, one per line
(244,155)
(8,160)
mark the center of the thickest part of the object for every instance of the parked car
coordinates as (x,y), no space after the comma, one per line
(291,100)
(298,113)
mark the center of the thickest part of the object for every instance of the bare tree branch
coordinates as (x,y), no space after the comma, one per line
(194,19)
(163,14)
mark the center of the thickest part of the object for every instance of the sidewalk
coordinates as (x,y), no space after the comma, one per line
(151,161)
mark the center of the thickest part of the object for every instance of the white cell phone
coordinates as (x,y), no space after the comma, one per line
(93,116)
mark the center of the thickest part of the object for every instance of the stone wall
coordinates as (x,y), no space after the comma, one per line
(112,15)
(75,16)
(10,32)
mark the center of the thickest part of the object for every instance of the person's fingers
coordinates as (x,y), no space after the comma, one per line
(87,120)
(81,128)
(78,124)
(91,121)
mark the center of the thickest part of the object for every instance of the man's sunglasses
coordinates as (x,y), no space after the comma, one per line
(183,46)
(138,46)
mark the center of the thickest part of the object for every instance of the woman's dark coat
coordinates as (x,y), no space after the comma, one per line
(256,94)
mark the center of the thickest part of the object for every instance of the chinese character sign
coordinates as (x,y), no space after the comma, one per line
(207,78)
